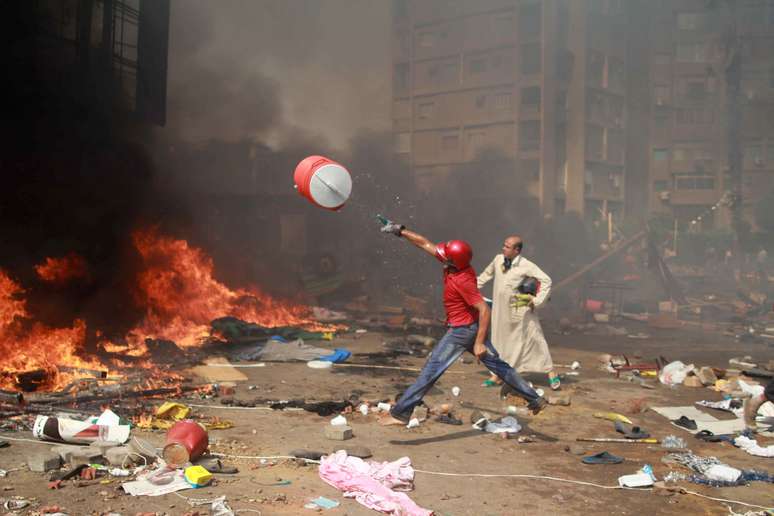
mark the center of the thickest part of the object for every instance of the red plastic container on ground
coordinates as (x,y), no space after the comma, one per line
(322,181)
(187,440)
(593,306)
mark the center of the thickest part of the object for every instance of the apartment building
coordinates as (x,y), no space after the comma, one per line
(541,83)
(691,45)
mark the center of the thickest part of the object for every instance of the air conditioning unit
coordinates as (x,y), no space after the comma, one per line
(758,162)
(665,196)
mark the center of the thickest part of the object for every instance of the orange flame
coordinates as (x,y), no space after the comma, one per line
(62,270)
(39,347)
(180,295)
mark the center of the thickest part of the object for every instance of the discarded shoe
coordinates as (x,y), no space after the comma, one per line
(707,436)
(685,422)
(489,383)
(448,419)
(631,432)
(602,458)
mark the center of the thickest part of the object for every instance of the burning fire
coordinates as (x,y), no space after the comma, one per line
(36,350)
(62,270)
(180,296)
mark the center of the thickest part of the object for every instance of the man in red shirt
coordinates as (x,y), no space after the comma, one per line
(467,316)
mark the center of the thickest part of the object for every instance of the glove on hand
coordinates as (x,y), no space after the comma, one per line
(392,227)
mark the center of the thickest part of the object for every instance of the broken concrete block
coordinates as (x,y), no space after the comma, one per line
(103,446)
(558,399)
(86,455)
(117,456)
(65,451)
(420,412)
(44,460)
(358,451)
(338,432)
(692,381)
(707,376)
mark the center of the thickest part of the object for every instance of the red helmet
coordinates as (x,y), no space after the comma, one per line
(456,252)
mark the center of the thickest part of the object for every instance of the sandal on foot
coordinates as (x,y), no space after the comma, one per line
(555,383)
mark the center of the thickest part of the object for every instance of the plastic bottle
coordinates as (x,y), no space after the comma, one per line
(672,441)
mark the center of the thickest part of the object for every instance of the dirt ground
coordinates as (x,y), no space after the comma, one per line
(439,447)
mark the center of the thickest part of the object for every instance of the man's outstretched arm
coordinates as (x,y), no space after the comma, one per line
(415,238)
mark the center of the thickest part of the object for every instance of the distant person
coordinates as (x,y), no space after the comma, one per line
(519,288)
(467,318)
(752,405)
(761,261)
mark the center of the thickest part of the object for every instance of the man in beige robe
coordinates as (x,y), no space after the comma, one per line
(516,331)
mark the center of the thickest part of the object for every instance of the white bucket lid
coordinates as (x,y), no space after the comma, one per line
(330,185)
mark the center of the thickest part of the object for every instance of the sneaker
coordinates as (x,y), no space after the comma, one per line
(538,405)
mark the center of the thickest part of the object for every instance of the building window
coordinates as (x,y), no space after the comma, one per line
(696,90)
(595,143)
(753,154)
(692,21)
(530,169)
(596,69)
(480,101)
(426,39)
(614,74)
(695,116)
(401,77)
(503,26)
(694,183)
(660,154)
(450,142)
(530,59)
(529,22)
(662,94)
(529,135)
(501,101)
(403,143)
(478,65)
(615,146)
(475,142)
(660,186)
(771,75)
(692,52)
(770,151)
(661,120)
(662,59)
(425,109)
(530,98)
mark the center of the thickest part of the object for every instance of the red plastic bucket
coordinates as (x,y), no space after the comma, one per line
(186,441)
(323,182)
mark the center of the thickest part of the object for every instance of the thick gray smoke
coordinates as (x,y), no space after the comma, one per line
(241,69)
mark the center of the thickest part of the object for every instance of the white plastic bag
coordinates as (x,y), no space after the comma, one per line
(674,373)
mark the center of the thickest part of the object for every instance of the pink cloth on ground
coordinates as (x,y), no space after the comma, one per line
(372,483)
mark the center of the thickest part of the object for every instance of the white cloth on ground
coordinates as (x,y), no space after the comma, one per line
(516,332)
(752,447)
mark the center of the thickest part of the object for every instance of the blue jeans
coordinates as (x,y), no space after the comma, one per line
(456,341)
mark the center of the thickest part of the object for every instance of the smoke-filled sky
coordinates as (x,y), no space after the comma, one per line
(267,68)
